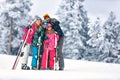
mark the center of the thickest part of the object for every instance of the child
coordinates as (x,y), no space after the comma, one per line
(49,48)
(39,35)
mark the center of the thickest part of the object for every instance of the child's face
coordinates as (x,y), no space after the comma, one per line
(49,28)
(44,26)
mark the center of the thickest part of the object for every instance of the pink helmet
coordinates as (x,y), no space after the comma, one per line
(49,25)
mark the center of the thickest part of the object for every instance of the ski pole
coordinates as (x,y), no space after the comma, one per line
(19,50)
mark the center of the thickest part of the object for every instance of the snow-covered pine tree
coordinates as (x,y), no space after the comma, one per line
(116,47)
(104,38)
(96,36)
(111,36)
(19,11)
(3,30)
(74,20)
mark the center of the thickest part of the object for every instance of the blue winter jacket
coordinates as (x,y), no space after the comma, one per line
(40,32)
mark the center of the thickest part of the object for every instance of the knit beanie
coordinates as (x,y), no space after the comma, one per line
(38,18)
(45,16)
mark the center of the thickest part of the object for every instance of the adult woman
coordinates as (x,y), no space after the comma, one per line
(27,37)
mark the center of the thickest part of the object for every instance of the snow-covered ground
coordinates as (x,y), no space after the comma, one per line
(74,70)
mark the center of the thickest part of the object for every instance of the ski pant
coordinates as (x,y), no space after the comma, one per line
(25,50)
(60,54)
(48,61)
(34,55)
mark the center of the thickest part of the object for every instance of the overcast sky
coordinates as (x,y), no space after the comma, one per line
(41,7)
(95,8)
(102,8)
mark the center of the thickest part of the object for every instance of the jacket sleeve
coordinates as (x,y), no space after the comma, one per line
(57,28)
(57,36)
(24,33)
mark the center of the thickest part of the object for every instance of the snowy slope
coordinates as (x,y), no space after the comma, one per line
(74,70)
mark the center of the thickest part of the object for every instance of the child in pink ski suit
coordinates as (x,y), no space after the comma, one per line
(49,48)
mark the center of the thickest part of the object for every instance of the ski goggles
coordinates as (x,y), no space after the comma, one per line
(44,23)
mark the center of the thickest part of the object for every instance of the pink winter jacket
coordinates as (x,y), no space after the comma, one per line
(30,34)
(51,42)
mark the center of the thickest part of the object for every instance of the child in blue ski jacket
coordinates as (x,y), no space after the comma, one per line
(39,35)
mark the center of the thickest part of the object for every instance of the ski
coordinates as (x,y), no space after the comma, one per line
(19,53)
(56,60)
(56,65)
(38,56)
(39,50)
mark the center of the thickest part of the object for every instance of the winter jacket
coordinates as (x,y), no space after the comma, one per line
(56,27)
(40,32)
(50,43)
(30,34)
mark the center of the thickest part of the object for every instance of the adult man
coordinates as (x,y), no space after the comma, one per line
(56,27)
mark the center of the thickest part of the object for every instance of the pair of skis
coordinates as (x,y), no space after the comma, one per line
(19,53)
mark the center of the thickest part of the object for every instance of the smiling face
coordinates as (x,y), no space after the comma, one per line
(38,22)
(47,19)
(49,27)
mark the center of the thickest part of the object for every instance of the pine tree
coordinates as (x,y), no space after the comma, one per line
(74,20)
(104,38)
(18,10)
(112,29)
(95,33)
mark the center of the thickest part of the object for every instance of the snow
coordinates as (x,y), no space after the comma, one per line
(74,70)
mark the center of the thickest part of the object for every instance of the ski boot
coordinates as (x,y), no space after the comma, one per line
(34,68)
(25,67)
(61,69)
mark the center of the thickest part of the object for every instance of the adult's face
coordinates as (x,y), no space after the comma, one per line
(47,19)
(38,22)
